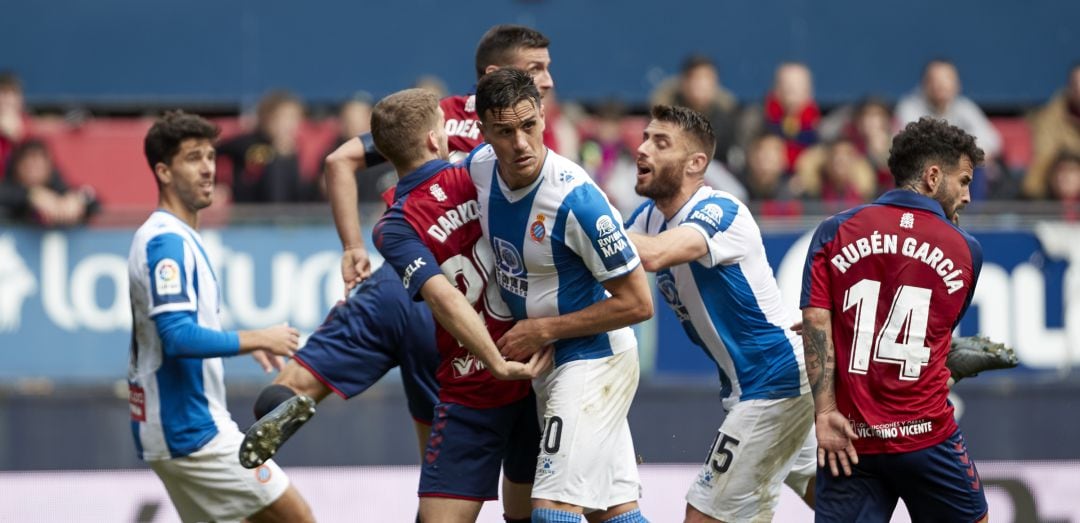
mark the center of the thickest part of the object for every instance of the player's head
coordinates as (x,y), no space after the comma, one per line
(407,128)
(512,121)
(934,158)
(179,148)
(679,143)
(516,46)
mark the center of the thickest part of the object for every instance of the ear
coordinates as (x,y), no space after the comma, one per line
(698,162)
(163,174)
(491,68)
(433,142)
(483,130)
(932,177)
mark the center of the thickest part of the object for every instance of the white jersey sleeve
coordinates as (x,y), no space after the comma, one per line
(728,237)
(594,232)
(171,278)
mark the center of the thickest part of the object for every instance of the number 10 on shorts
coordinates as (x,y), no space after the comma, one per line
(722,452)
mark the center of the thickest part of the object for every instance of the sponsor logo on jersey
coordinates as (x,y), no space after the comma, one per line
(710,214)
(167,277)
(611,240)
(510,268)
(137,402)
(410,270)
(537,231)
(466,365)
(453,219)
(605,225)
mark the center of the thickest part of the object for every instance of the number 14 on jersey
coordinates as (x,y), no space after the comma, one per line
(893,344)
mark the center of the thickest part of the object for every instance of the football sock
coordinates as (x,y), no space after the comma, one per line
(634,516)
(270,398)
(550,515)
(509,519)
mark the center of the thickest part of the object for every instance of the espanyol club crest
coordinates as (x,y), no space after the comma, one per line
(537,231)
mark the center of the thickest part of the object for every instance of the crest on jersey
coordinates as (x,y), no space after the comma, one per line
(437,192)
(510,268)
(167,277)
(537,231)
(666,283)
(605,225)
(907,221)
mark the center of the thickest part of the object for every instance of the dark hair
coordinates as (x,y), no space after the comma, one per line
(691,122)
(273,101)
(163,139)
(926,142)
(22,150)
(499,41)
(10,81)
(694,61)
(398,123)
(504,89)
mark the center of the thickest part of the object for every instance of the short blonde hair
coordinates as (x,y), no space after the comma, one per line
(399,124)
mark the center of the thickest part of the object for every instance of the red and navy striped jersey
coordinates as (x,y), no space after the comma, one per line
(897,277)
(433,228)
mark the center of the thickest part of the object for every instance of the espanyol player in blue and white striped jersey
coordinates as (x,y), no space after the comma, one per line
(177,389)
(571,278)
(711,269)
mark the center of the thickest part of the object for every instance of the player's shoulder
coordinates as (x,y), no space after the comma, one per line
(159,225)
(565,179)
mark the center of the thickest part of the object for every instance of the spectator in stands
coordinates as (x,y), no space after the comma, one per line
(790,109)
(14,121)
(836,173)
(698,87)
(1063,183)
(263,164)
(432,83)
(354,119)
(766,176)
(939,96)
(33,190)
(1055,129)
(871,132)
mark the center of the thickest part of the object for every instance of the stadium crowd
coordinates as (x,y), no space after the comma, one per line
(779,152)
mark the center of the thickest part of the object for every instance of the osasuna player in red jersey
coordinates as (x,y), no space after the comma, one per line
(885,285)
(430,235)
(501,46)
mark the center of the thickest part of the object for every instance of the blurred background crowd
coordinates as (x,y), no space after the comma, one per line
(783,150)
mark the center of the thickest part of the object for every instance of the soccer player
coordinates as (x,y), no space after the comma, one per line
(175,376)
(431,236)
(572,278)
(364,337)
(711,268)
(884,286)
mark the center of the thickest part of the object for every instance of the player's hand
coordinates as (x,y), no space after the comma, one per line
(279,340)
(538,363)
(796,328)
(523,340)
(268,361)
(835,442)
(355,267)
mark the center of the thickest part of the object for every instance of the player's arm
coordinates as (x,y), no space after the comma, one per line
(630,302)
(669,248)
(183,337)
(341,167)
(422,277)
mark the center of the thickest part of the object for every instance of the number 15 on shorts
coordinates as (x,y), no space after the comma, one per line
(722,452)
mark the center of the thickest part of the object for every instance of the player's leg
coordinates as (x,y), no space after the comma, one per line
(462,461)
(754,450)
(587,463)
(970,355)
(802,478)
(288,508)
(418,359)
(940,483)
(519,463)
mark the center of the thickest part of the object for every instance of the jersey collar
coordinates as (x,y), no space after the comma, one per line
(419,176)
(912,199)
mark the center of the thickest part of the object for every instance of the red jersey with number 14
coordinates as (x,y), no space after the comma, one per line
(432,228)
(897,277)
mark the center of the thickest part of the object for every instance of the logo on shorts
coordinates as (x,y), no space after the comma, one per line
(537,231)
(137,402)
(705,478)
(167,281)
(545,466)
(263,474)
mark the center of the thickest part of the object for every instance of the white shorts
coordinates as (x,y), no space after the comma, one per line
(210,484)
(587,456)
(805,466)
(754,451)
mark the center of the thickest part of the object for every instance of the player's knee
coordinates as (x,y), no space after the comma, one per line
(270,398)
(550,515)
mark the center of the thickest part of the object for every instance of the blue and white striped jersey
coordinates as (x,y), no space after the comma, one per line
(177,404)
(555,242)
(728,301)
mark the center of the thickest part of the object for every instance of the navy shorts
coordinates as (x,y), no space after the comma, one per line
(939,483)
(378,328)
(468,447)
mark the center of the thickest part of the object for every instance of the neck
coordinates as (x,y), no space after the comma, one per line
(408,168)
(178,209)
(670,206)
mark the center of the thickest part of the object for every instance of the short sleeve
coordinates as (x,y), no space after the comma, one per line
(726,234)
(816,278)
(639,219)
(403,249)
(172,278)
(594,231)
